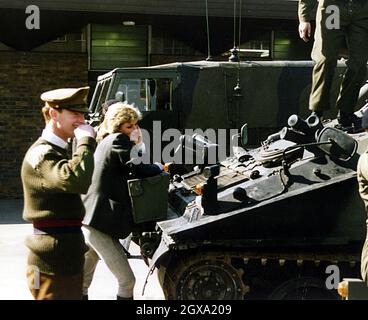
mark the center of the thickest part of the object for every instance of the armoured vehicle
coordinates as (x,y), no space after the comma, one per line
(272,222)
(263,222)
(215,95)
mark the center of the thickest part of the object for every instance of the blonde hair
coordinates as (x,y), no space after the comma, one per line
(116,115)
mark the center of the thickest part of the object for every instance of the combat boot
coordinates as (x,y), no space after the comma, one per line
(349,122)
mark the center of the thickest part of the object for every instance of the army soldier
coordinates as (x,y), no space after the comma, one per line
(52,184)
(362,172)
(352,27)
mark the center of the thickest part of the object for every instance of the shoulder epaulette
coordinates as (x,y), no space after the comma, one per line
(36,154)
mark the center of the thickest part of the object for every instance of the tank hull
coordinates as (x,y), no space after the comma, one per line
(295,223)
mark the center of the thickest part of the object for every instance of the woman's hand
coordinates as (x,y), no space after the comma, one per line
(136,136)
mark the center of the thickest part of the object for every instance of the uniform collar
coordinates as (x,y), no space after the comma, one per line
(51,137)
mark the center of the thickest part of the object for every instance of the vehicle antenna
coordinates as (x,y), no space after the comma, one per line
(239,42)
(209,58)
(235,23)
(234,51)
(237,89)
(240,16)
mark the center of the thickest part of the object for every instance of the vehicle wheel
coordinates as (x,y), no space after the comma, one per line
(304,288)
(206,279)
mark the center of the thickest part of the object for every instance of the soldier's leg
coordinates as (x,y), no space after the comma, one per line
(356,72)
(39,284)
(364,262)
(327,43)
(54,287)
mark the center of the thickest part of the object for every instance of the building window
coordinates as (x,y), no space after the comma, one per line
(114,46)
(256,49)
(70,42)
(171,46)
(82,36)
(61,39)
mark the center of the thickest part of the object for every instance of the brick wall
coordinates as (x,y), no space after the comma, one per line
(23,77)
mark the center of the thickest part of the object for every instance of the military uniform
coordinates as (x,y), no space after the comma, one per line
(363,190)
(362,174)
(353,30)
(52,185)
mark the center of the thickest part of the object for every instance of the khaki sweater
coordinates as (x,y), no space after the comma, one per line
(305,10)
(52,185)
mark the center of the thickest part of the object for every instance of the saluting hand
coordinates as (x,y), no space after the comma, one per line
(84,130)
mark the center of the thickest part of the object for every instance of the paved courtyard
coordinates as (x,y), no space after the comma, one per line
(13,255)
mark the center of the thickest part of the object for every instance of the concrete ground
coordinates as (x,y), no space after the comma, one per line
(13,255)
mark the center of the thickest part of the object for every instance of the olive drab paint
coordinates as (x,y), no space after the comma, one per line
(200,94)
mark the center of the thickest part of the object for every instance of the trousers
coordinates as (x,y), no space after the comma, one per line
(104,247)
(353,29)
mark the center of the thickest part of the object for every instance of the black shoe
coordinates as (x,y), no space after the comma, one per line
(349,121)
(85,297)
